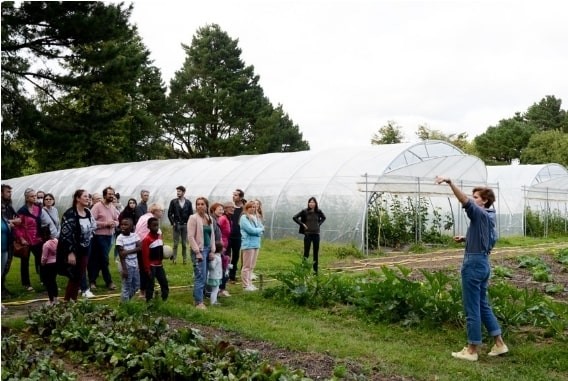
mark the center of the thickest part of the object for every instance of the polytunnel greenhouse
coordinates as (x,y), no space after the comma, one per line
(344,181)
(525,191)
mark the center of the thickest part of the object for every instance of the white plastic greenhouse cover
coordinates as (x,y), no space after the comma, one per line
(523,186)
(282,181)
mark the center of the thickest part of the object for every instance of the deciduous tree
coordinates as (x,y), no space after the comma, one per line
(502,143)
(546,147)
(391,133)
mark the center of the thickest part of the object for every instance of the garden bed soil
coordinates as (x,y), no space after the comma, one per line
(320,366)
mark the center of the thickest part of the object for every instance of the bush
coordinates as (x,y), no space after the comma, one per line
(393,296)
(343,252)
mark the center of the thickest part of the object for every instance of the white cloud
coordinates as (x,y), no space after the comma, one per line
(343,68)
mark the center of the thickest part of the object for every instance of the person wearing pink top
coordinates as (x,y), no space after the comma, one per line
(201,237)
(106,217)
(49,268)
(225,226)
(27,233)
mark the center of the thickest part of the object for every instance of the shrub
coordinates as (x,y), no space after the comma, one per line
(343,252)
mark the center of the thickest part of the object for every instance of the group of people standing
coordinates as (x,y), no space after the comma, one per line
(217,234)
(79,244)
(76,246)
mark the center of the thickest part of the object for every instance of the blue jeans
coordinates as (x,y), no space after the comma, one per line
(4,261)
(98,258)
(475,274)
(131,284)
(84,283)
(199,275)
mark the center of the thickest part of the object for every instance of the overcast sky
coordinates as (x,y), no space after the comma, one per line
(343,69)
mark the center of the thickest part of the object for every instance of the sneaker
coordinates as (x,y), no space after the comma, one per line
(88,294)
(216,304)
(465,355)
(498,351)
(250,288)
(201,306)
(112,287)
(93,286)
(224,293)
(29,288)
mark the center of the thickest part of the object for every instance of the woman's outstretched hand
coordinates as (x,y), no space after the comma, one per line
(441,179)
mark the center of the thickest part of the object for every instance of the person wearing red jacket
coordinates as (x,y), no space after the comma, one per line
(152,257)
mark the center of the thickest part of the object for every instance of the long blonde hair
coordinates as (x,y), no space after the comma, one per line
(247,207)
(259,212)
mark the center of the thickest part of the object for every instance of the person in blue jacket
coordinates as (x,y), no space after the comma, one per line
(251,231)
(476,270)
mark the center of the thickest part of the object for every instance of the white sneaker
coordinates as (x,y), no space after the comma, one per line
(498,351)
(465,355)
(250,288)
(88,294)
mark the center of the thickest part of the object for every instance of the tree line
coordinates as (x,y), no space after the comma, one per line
(79,89)
(537,136)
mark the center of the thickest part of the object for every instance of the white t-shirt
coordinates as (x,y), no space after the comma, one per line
(128,242)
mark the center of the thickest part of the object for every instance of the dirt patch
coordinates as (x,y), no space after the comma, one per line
(319,366)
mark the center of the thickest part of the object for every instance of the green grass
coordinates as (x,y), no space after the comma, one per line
(416,353)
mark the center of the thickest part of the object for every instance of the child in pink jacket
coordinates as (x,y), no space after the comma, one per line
(49,269)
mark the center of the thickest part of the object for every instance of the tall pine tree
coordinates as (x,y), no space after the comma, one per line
(217,107)
(94,99)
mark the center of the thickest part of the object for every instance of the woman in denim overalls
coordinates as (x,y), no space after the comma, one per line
(476,270)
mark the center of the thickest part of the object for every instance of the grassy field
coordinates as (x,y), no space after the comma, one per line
(389,349)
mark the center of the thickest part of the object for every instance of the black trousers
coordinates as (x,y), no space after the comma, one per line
(49,273)
(234,251)
(157,273)
(35,250)
(310,239)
